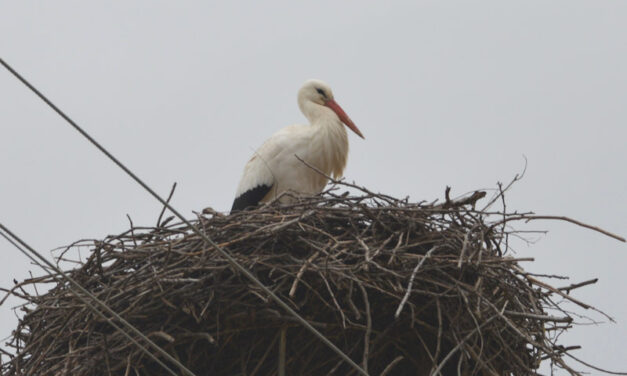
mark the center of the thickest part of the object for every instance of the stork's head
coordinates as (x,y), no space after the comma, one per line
(319,93)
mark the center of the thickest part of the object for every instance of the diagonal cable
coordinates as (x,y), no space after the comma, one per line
(223,252)
(29,252)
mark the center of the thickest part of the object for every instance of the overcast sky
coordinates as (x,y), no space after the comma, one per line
(445,92)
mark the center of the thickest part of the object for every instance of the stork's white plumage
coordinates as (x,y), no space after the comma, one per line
(274,168)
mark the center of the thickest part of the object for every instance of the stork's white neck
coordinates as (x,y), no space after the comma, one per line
(317,113)
(330,138)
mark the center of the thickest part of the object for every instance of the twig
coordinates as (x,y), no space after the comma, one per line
(368,327)
(438,369)
(594,367)
(528,218)
(164,207)
(577,285)
(282,350)
(516,178)
(411,281)
(301,272)
(391,365)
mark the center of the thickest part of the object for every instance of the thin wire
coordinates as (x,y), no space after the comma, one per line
(11,237)
(224,253)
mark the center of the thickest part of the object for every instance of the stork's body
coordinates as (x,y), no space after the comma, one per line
(274,168)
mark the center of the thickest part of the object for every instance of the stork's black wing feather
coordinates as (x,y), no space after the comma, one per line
(250,198)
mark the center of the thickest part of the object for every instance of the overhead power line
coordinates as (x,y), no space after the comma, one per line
(223,252)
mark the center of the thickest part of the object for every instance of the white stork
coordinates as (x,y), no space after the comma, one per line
(274,168)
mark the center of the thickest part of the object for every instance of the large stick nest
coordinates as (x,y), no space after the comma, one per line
(402,288)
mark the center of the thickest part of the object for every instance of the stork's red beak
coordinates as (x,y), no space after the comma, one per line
(343,117)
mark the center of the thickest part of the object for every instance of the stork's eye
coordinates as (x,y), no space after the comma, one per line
(321,92)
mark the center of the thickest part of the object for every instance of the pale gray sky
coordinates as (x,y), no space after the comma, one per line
(446,93)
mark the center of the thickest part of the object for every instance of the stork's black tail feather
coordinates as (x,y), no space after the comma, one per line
(250,198)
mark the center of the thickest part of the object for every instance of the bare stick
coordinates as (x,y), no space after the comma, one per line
(301,272)
(165,207)
(368,327)
(459,344)
(282,350)
(389,367)
(577,285)
(594,367)
(516,178)
(411,281)
(528,218)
